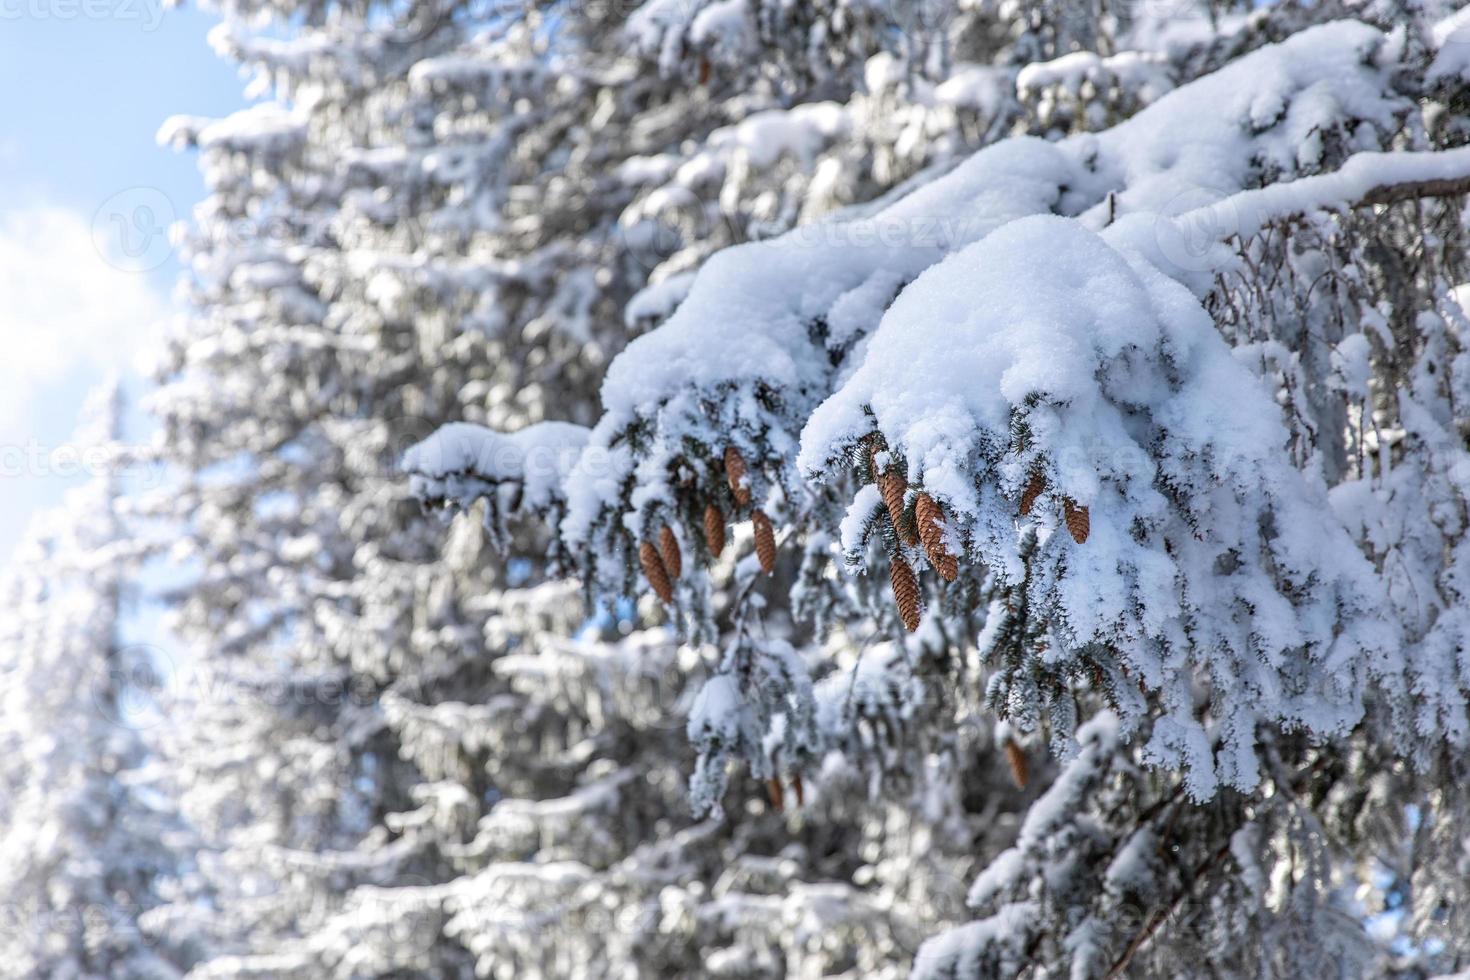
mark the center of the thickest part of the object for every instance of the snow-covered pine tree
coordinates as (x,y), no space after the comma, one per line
(89,839)
(1163,433)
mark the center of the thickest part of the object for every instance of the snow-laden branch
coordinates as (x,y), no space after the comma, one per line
(1197,240)
(1046,372)
(461,462)
(522,472)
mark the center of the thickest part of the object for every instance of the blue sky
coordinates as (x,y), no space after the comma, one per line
(85,271)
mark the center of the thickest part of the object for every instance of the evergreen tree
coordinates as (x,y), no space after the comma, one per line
(88,835)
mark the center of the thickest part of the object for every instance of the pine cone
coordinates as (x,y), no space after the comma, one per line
(931,532)
(799,788)
(1078,521)
(765,541)
(654,571)
(893,487)
(1020,766)
(736,472)
(905,592)
(668,548)
(776,793)
(1033,490)
(714,530)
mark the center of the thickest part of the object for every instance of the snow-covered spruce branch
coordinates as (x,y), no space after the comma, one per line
(1373,179)
(1017,364)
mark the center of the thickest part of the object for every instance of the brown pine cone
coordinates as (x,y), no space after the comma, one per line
(1020,766)
(1079,523)
(714,530)
(1033,490)
(776,793)
(799,788)
(905,591)
(668,549)
(765,541)
(892,486)
(736,472)
(931,532)
(655,572)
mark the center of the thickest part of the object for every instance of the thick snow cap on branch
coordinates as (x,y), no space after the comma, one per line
(766,292)
(1044,349)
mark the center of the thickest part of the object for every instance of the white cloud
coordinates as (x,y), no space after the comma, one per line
(64,309)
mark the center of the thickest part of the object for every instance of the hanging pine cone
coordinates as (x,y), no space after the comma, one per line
(905,591)
(776,793)
(736,472)
(1033,490)
(1078,521)
(931,532)
(765,541)
(714,530)
(668,549)
(655,572)
(799,788)
(1020,766)
(892,486)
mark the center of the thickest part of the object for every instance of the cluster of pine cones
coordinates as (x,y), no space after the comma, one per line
(662,563)
(927,528)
